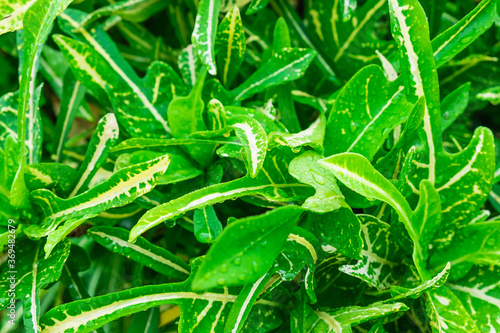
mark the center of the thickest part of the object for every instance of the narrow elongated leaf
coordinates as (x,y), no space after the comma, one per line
(72,96)
(254,140)
(491,95)
(99,65)
(411,32)
(362,126)
(287,65)
(255,242)
(132,10)
(105,137)
(121,188)
(398,292)
(230,46)
(204,32)
(207,226)
(343,319)
(273,183)
(12,14)
(451,42)
(189,65)
(453,105)
(200,312)
(244,303)
(143,252)
(313,136)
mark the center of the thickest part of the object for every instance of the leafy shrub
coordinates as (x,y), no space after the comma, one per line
(231,166)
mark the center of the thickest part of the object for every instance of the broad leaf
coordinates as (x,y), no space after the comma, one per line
(254,244)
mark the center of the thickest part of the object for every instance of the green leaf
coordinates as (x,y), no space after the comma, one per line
(479,290)
(255,242)
(8,116)
(411,32)
(254,140)
(189,65)
(364,113)
(313,136)
(12,14)
(207,226)
(380,256)
(99,65)
(255,6)
(230,46)
(143,252)
(273,183)
(306,169)
(198,311)
(33,273)
(436,282)
(346,240)
(72,96)
(349,7)
(451,42)
(477,243)
(132,10)
(343,319)
(356,173)
(50,175)
(491,95)
(105,137)
(447,313)
(205,29)
(244,304)
(121,188)
(454,104)
(286,65)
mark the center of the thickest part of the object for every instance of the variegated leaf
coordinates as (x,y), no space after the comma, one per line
(230,47)
(478,243)
(199,312)
(121,188)
(143,252)
(205,29)
(306,169)
(458,37)
(189,65)
(12,13)
(105,137)
(362,126)
(447,313)
(72,96)
(341,320)
(273,182)
(99,65)
(313,136)
(479,292)
(381,255)
(286,65)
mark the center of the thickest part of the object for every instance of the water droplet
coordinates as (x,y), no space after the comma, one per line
(223,268)
(241,277)
(317,177)
(255,266)
(221,281)
(237,261)
(207,275)
(491,242)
